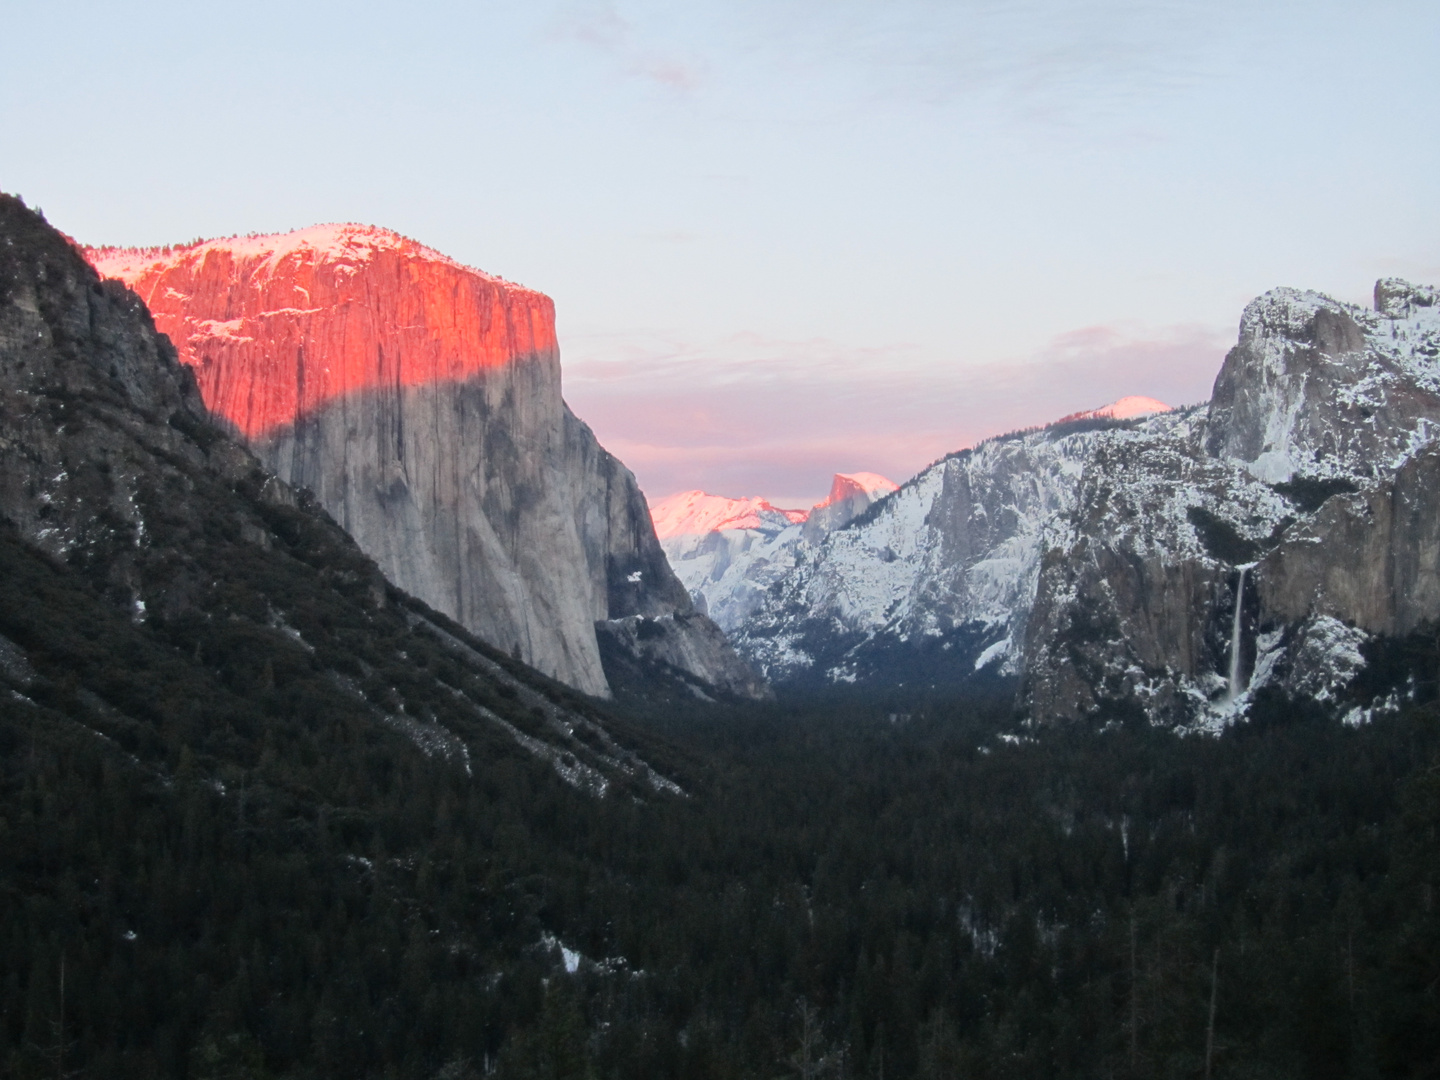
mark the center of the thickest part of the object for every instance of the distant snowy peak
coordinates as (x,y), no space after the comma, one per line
(696,513)
(851,494)
(1127,408)
(847,485)
(728,552)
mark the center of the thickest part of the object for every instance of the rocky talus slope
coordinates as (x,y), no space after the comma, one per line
(1177,564)
(419,400)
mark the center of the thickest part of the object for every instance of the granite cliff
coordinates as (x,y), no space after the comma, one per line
(161,585)
(420,400)
(1264,540)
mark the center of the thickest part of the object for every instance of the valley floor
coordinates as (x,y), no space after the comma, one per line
(848,888)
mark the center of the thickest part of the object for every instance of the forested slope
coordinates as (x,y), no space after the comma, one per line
(325,900)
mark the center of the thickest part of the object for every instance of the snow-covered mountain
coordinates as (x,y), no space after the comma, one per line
(851,494)
(727,552)
(1178,561)
(1262,540)
(937,580)
(697,514)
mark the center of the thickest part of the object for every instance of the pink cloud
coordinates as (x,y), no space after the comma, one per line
(757,417)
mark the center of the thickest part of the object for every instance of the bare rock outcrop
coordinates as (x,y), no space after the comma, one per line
(1371,558)
(851,494)
(1316,387)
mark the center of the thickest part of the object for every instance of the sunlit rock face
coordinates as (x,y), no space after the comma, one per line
(276,327)
(420,400)
(851,494)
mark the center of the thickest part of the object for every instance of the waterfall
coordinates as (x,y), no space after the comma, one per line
(1235,687)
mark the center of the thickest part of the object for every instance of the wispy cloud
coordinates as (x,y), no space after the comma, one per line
(605,30)
(750,415)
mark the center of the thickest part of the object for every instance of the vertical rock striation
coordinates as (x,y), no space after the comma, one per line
(419,399)
(851,494)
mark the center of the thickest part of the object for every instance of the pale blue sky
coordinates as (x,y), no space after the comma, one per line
(784,238)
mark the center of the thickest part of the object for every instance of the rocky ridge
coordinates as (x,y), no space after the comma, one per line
(1180,562)
(420,401)
(940,573)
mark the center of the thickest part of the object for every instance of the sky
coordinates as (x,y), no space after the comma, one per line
(785,238)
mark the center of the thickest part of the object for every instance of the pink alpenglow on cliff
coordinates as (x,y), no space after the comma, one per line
(276,326)
(848,485)
(850,496)
(419,400)
(1127,408)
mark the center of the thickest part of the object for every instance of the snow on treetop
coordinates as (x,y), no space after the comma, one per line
(335,242)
